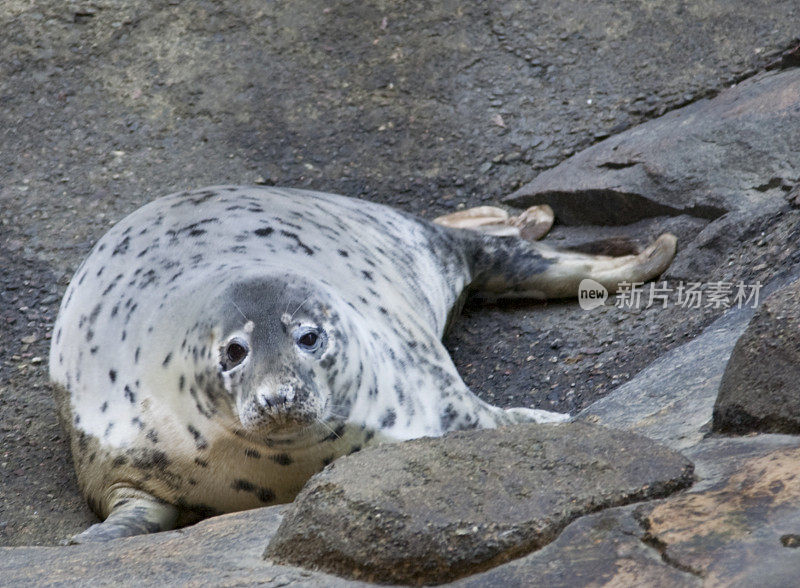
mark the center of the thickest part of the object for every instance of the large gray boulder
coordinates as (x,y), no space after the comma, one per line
(760,390)
(433,510)
(731,153)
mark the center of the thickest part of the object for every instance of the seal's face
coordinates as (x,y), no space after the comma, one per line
(279,341)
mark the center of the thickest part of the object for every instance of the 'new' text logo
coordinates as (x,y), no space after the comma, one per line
(591,294)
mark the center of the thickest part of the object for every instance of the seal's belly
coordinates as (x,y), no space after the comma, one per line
(228,475)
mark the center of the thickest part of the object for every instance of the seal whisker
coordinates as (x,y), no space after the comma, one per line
(301,306)
(327,426)
(240,310)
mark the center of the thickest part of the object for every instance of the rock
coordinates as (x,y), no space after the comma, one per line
(734,152)
(713,245)
(222,551)
(738,526)
(433,510)
(602,549)
(672,399)
(623,546)
(760,390)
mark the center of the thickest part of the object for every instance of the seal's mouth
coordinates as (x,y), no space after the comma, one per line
(275,418)
(295,433)
(277,412)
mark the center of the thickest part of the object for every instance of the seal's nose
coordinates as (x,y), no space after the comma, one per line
(281,397)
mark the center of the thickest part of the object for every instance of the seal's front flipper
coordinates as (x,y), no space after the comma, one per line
(537,415)
(487,416)
(132,513)
(513,268)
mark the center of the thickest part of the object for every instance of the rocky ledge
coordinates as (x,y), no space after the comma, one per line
(433,510)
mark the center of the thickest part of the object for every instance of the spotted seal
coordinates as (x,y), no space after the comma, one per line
(218,347)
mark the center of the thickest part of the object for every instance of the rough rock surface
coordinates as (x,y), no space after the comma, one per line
(734,152)
(737,525)
(760,390)
(602,549)
(432,510)
(741,525)
(624,546)
(672,399)
(223,551)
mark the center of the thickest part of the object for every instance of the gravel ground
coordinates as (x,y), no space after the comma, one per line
(425,106)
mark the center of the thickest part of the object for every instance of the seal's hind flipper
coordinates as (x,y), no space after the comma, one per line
(513,268)
(531,225)
(132,513)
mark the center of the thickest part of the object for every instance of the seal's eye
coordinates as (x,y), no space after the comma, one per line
(235,353)
(308,339)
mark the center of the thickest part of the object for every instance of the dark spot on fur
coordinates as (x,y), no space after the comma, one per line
(95,313)
(449,415)
(112,375)
(152,436)
(122,247)
(201,462)
(151,459)
(264,231)
(243,485)
(167,359)
(265,495)
(129,394)
(282,459)
(199,441)
(389,418)
(250,452)
(306,249)
(104,406)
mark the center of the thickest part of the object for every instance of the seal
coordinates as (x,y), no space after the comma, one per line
(218,347)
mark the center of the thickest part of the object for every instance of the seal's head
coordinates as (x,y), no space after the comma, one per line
(279,342)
